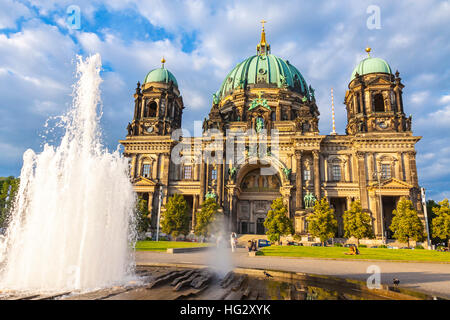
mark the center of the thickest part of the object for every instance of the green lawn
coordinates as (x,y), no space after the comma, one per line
(365,253)
(164,245)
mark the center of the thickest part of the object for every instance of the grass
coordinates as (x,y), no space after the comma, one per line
(365,253)
(164,245)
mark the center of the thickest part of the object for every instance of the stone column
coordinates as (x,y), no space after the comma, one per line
(400,166)
(234,214)
(371,166)
(413,168)
(219,182)
(150,203)
(326,172)
(407,167)
(322,162)
(202,180)
(133,166)
(349,162)
(362,179)
(298,181)
(374,208)
(316,173)
(194,210)
(349,202)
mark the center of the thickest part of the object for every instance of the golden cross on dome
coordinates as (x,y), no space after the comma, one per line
(263,21)
(163,61)
(260,93)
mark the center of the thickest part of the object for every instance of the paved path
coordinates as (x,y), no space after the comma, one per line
(432,278)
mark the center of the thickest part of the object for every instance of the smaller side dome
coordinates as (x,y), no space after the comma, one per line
(161,75)
(371,65)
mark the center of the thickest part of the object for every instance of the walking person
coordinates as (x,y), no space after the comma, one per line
(233,241)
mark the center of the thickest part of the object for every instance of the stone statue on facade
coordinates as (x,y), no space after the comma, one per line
(287,173)
(232,173)
(129,129)
(309,199)
(211,195)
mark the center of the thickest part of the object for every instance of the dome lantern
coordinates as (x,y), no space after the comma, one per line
(263,47)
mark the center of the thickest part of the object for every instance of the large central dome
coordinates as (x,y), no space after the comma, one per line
(264,70)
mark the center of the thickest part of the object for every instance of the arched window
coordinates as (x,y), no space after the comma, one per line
(188,172)
(146,170)
(336,172)
(378,102)
(213,174)
(386,170)
(150,109)
(358,104)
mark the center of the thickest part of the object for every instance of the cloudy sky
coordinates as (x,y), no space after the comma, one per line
(202,40)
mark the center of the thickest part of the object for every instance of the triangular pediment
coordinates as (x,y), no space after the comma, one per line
(144,182)
(391,183)
(378,80)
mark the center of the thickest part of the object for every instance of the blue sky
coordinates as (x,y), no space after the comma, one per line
(202,40)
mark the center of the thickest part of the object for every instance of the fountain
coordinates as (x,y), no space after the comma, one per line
(72,225)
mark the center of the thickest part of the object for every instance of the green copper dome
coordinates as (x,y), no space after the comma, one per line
(371,65)
(161,75)
(264,69)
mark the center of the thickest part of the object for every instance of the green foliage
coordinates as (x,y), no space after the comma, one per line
(8,191)
(208,218)
(382,246)
(406,224)
(419,247)
(277,222)
(441,223)
(362,246)
(142,215)
(297,237)
(338,244)
(357,223)
(175,220)
(431,215)
(322,223)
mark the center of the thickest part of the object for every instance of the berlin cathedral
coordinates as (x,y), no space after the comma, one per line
(374,161)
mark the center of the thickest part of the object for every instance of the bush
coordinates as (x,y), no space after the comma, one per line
(419,247)
(363,246)
(383,246)
(297,237)
(338,245)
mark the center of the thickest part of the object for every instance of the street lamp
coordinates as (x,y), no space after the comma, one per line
(159,211)
(379,175)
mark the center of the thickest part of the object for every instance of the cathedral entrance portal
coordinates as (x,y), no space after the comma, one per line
(257,193)
(260,226)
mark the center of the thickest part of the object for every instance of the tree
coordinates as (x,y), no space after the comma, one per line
(207,218)
(277,221)
(431,215)
(441,223)
(175,220)
(8,191)
(406,224)
(142,215)
(322,223)
(357,223)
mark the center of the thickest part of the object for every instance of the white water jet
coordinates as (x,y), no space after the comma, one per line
(72,225)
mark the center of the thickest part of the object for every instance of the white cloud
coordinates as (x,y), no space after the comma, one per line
(10,11)
(445,99)
(419,97)
(324,41)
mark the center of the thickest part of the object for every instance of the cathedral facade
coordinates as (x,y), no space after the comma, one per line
(266,99)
